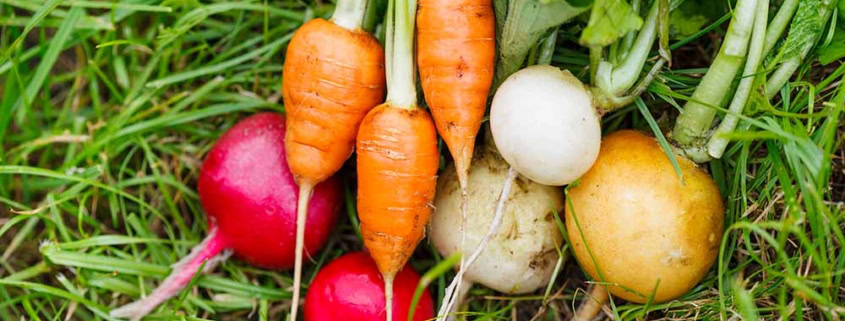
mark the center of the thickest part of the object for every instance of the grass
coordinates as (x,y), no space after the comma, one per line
(108,109)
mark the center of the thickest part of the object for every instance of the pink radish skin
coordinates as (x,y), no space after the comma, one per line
(250,197)
(351,288)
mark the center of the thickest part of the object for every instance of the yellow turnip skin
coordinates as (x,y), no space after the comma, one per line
(641,223)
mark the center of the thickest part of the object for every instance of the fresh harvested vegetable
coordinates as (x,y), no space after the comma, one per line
(545,125)
(350,288)
(634,225)
(521,255)
(397,158)
(250,197)
(456,52)
(333,75)
(546,122)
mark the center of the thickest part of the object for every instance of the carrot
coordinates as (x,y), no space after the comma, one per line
(456,52)
(397,158)
(333,75)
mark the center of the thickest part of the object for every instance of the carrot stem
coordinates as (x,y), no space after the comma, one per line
(592,303)
(350,14)
(305,189)
(211,251)
(401,80)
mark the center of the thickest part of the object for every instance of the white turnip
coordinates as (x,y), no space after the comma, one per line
(521,254)
(545,125)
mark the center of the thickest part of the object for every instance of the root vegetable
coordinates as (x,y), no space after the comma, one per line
(645,229)
(397,158)
(521,254)
(545,125)
(350,288)
(250,198)
(333,75)
(456,52)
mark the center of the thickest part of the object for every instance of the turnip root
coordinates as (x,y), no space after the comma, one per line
(250,198)
(647,232)
(521,254)
(351,288)
(545,125)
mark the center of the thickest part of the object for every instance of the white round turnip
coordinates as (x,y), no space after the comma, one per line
(545,125)
(520,256)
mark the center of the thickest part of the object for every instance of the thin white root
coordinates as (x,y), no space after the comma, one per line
(450,298)
(592,303)
(305,190)
(463,292)
(212,251)
(462,266)
(388,296)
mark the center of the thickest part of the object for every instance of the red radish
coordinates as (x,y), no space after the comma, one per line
(351,288)
(250,197)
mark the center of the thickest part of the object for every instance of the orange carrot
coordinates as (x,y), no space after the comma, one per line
(397,168)
(397,158)
(333,75)
(456,51)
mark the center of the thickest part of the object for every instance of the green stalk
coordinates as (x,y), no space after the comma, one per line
(547,48)
(617,81)
(612,87)
(628,41)
(350,14)
(778,24)
(718,141)
(401,84)
(785,71)
(697,116)
(595,60)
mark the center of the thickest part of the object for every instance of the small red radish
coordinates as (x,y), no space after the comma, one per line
(250,197)
(351,288)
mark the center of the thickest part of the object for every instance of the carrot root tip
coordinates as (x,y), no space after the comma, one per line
(305,190)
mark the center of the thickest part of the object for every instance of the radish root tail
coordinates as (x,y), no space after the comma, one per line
(450,298)
(305,190)
(592,303)
(212,250)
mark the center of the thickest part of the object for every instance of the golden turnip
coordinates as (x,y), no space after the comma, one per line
(642,224)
